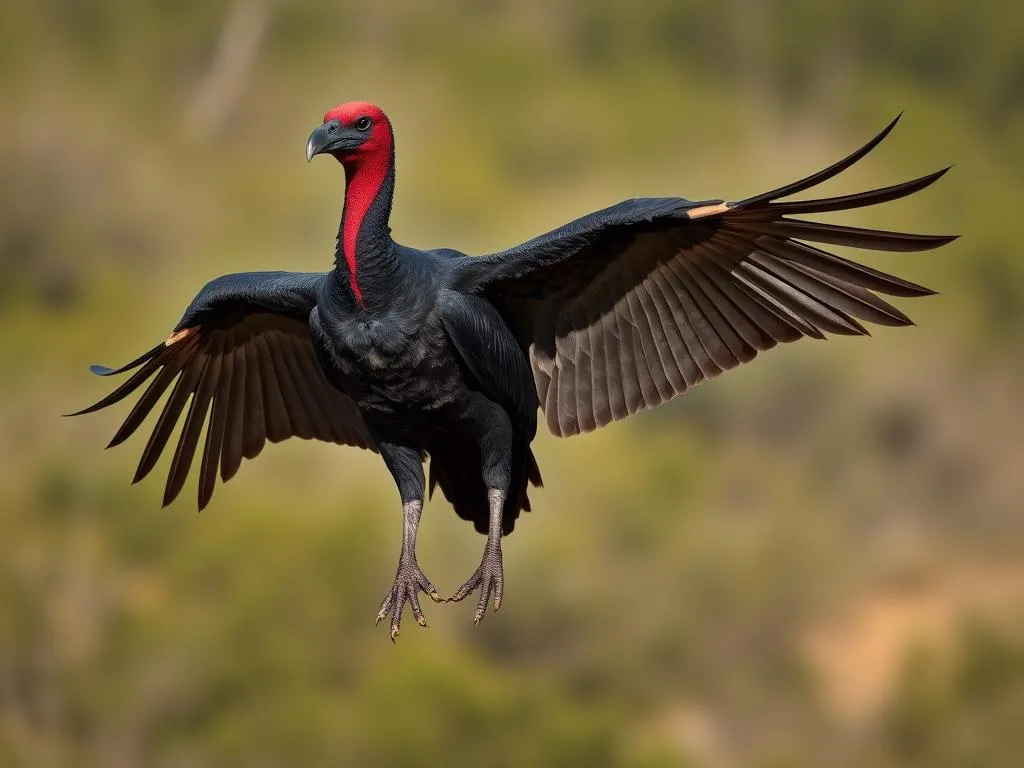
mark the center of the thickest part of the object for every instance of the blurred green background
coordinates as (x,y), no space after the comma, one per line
(817,560)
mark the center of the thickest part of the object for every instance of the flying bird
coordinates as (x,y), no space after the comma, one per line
(435,355)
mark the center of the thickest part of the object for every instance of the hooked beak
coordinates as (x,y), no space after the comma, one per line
(318,141)
(332,137)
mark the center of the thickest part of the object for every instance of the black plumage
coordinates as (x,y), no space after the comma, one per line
(419,354)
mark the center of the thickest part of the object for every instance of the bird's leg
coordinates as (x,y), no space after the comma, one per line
(494,435)
(406,465)
(488,578)
(409,580)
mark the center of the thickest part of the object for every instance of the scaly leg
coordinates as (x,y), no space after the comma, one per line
(488,578)
(409,580)
(406,465)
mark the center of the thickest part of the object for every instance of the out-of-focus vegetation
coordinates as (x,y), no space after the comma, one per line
(816,560)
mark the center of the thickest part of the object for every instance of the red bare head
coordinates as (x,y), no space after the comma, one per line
(358,135)
(352,132)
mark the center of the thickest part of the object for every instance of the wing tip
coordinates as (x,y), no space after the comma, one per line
(102,370)
(937,241)
(882,134)
(823,175)
(929,179)
(88,409)
(116,440)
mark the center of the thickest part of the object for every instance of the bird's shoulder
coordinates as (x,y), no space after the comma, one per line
(279,292)
(445,254)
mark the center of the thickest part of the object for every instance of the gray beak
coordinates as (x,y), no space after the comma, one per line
(321,139)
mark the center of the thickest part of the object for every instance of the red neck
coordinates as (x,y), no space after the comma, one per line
(364,177)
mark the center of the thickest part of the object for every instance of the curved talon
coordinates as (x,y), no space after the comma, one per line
(385,606)
(488,578)
(466,589)
(409,582)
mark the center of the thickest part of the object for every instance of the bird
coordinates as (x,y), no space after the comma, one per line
(442,358)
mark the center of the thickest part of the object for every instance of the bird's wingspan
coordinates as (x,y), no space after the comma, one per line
(628,307)
(242,359)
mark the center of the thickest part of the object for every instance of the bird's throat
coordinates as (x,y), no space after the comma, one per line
(369,184)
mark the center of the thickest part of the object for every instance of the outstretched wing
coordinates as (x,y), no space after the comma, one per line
(630,306)
(241,358)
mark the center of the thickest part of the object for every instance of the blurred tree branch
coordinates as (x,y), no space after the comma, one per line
(238,47)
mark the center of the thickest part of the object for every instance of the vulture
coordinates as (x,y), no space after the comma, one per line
(437,355)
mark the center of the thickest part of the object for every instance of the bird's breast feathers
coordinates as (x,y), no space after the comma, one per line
(384,363)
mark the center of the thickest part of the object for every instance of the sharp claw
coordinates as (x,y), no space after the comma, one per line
(405,592)
(466,589)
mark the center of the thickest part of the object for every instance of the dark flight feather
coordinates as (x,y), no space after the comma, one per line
(247,372)
(666,293)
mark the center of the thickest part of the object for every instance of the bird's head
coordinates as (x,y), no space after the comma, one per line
(353,133)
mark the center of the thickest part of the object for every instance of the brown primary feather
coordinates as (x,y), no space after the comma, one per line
(183,389)
(823,175)
(234,428)
(218,422)
(194,420)
(681,304)
(246,380)
(859,199)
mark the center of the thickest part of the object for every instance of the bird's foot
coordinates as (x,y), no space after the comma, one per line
(488,578)
(409,582)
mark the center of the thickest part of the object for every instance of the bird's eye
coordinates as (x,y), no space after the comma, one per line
(332,127)
(363,123)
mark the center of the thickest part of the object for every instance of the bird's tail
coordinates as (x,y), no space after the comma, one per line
(457,471)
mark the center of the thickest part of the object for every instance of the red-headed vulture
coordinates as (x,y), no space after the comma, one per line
(421,354)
